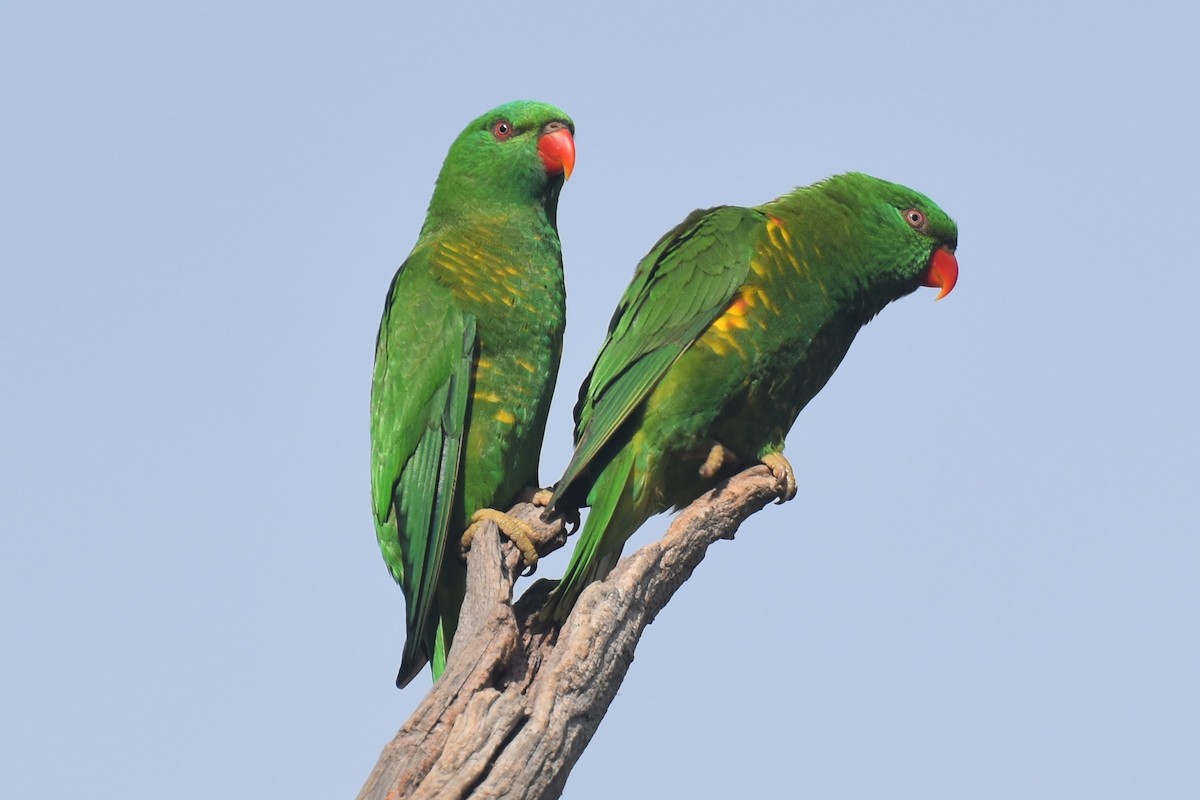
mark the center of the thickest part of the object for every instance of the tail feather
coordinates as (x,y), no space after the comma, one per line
(410,667)
(610,522)
(432,652)
(432,645)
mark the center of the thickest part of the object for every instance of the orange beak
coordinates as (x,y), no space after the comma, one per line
(556,146)
(942,272)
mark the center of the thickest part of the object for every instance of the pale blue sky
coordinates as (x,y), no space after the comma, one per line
(988,585)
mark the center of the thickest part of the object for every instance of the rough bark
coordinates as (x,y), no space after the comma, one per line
(517,706)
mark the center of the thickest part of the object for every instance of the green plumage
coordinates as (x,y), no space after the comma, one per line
(465,363)
(733,322)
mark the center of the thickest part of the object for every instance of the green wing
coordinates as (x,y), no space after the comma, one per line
(423,362)
(683,284)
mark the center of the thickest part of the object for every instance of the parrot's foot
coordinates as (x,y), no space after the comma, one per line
(717,457)
(542,497)
(517,531)
(784,474)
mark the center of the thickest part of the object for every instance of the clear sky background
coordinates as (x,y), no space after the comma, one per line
(988,585)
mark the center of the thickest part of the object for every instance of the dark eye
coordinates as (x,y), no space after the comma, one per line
(916,218)
(502,129)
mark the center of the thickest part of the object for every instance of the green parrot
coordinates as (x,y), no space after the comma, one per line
(465,362)
(733,322)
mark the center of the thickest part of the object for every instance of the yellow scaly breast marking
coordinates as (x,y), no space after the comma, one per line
(754,296)
(455,258)
(480,285)
(778,234)
(790,255)
(465,290)
(513,297)
(780,245)
(505,417)
(463,251)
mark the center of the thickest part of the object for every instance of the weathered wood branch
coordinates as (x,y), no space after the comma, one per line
(516,705)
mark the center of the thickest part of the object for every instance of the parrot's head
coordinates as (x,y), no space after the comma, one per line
(520,152)
(906,240)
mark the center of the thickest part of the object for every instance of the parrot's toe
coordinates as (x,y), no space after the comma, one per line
(518,532)
(718,456)
(542,497)
(781,468)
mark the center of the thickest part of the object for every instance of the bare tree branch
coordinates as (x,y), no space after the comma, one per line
(517,706)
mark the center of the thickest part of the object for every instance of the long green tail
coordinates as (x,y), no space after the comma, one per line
(613,517)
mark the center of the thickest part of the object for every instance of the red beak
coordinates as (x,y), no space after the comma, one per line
(557,149)
(942,272)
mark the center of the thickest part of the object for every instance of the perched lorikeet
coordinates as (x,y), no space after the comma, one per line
(733,322)
(465,361)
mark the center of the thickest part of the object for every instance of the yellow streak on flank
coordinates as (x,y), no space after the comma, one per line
(711,341)
(721,336)
(505,417)
(734,316)
(484,363)
(525,365)
(733,344)
(754,295)
(490,397)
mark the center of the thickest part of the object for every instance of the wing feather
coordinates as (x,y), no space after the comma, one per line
(683,284)
(424,355)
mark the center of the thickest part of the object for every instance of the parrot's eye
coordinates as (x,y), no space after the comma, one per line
(502,130)
(916,218)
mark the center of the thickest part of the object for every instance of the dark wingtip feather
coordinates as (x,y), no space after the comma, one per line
(411,667)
